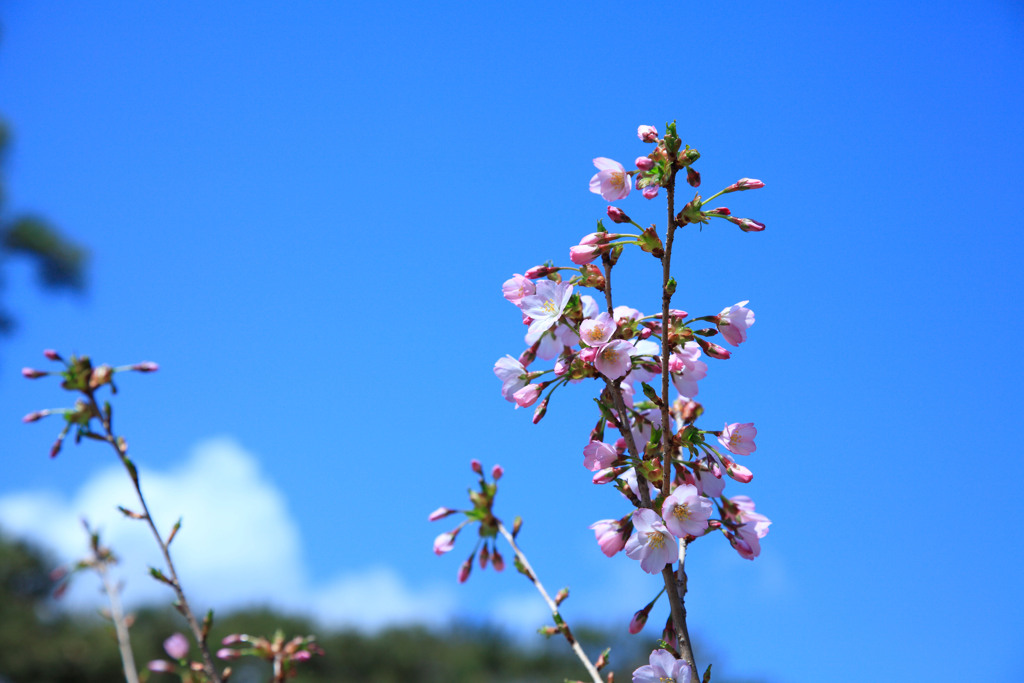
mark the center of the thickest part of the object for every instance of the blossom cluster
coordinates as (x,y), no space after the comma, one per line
(647,442)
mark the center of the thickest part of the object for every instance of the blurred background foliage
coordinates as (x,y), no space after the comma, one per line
(42,643)
(59,262)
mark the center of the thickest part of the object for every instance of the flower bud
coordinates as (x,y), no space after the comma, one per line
(561,595)
(644,163)
(465,569)
(37,415)
(647,133)
(720,211)
(688,156)
(176,646)
(100,376)
(692,177)
(611,535)
(51,354)
(583,254)
(636,624)
(690,411)
(539,271)
(233,639)
(228,653)
(746,224)
(744,184)
(146,366)
(29,373)
(496,472)
(439,513)
(529,355)
(161,666)
(650,192)
(540,411)
(445,542)
(713,350)
(617,215)
(497,561)
(528,395)
(475,465)
(485,555)
(737,471)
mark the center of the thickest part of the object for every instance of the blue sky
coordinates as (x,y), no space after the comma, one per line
(304,213)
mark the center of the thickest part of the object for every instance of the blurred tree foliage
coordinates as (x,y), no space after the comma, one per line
(40,643)
(59,262)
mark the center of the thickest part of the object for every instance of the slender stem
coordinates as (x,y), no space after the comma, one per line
(559,621)
(183,605)
(675,587)
(616,392)
(131,674)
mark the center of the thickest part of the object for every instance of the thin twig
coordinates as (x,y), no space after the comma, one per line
(183,605)
(559,621)
(131,675)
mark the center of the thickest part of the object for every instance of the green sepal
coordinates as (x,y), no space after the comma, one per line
(707,675)
(670,287)
(600,226)
(159,576)
(132,471)
(651,243)
(650,393)
(606,412)
(614,254)
(522,568)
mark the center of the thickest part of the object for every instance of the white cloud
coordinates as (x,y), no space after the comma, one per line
(238,543)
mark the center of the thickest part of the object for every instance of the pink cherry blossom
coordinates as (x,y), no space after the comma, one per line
(611,180)
(644,163)
(597,331)
(747,540)
(686,512)
(686,369)
(650,192)
(625,314)
(745,513)
(651,543)
(663,668)
(647,133)
(512,375)
(598,455)
(614,358)
(546,305)
(739,438)
(516,287)
(609,534)
(710,482)
(734,321)
(645,347)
